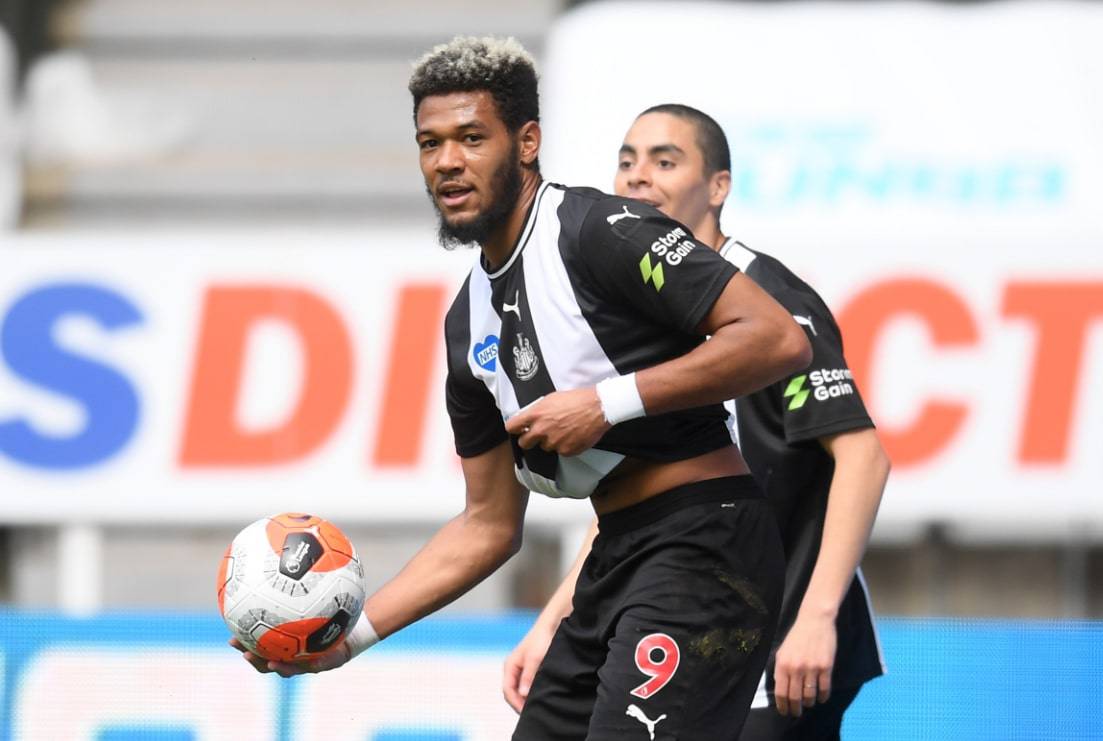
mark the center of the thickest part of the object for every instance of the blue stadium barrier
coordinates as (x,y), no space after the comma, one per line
(170,677)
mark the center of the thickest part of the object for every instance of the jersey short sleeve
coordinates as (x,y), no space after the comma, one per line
(652,263)
(476,422)
(822,399)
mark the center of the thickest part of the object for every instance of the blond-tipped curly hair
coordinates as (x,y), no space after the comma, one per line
(501,67)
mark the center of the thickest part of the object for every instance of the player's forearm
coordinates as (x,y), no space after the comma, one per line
(560,604)
(740,358)
(461,554)
(861,470)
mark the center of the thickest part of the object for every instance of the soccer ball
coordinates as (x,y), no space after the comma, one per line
(290,587)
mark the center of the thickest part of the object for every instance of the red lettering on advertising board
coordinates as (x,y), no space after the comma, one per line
(413,358)
(212,435)
(949,322)
(1060,313)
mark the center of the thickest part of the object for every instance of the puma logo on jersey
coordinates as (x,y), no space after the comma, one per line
(515,307)
(634,712)
(805,321)
(617,217)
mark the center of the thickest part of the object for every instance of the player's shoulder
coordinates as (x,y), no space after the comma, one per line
(777,279)
(597,212)
(586,196)
(767,271)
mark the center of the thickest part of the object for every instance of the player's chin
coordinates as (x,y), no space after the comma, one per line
(458,218)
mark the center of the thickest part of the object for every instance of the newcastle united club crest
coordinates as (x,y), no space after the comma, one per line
(525,362)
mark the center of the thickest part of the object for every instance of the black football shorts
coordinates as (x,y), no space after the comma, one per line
(674,613)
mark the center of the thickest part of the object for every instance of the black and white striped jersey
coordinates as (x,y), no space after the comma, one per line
(597,286)
(778,430)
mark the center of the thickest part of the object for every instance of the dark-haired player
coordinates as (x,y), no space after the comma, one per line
(577,367)
(807,439)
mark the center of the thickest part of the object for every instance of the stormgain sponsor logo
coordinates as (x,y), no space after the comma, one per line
(779,166)
(673,246)
(796,393)
(651,274)
(826,383)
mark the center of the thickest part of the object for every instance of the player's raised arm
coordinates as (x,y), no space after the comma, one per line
(754,342)
(676,285)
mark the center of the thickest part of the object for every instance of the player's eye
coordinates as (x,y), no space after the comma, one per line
(473,138)
(427,144)
(625,165)
(666,164)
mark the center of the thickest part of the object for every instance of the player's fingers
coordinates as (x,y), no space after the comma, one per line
(528,439)
(781,693)
(795,694)
(327,661)
(286,670)
(522,421)
(257,662)
(809,690)
(824,686)
(511,674)
(527,675)
(519,423)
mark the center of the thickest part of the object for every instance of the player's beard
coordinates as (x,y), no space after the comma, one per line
(505,189)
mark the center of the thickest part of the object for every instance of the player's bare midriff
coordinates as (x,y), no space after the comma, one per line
(637,480)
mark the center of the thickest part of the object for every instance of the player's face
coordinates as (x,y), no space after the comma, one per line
(469,160)
(661,164)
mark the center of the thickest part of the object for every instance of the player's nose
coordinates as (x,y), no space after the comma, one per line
(639,175)
(450,157)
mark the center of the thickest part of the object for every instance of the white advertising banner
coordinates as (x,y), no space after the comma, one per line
(220,378)
(936,172)
(893,121)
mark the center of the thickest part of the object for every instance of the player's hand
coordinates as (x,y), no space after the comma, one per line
(563,422)
(522,663)
(802,669)
(331,660)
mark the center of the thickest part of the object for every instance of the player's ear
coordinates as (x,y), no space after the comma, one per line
(528,140)
(720,185)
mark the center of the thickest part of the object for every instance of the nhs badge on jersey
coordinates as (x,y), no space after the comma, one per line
(486,353)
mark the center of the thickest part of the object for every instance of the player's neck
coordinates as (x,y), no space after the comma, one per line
(502,240)
(708,232)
